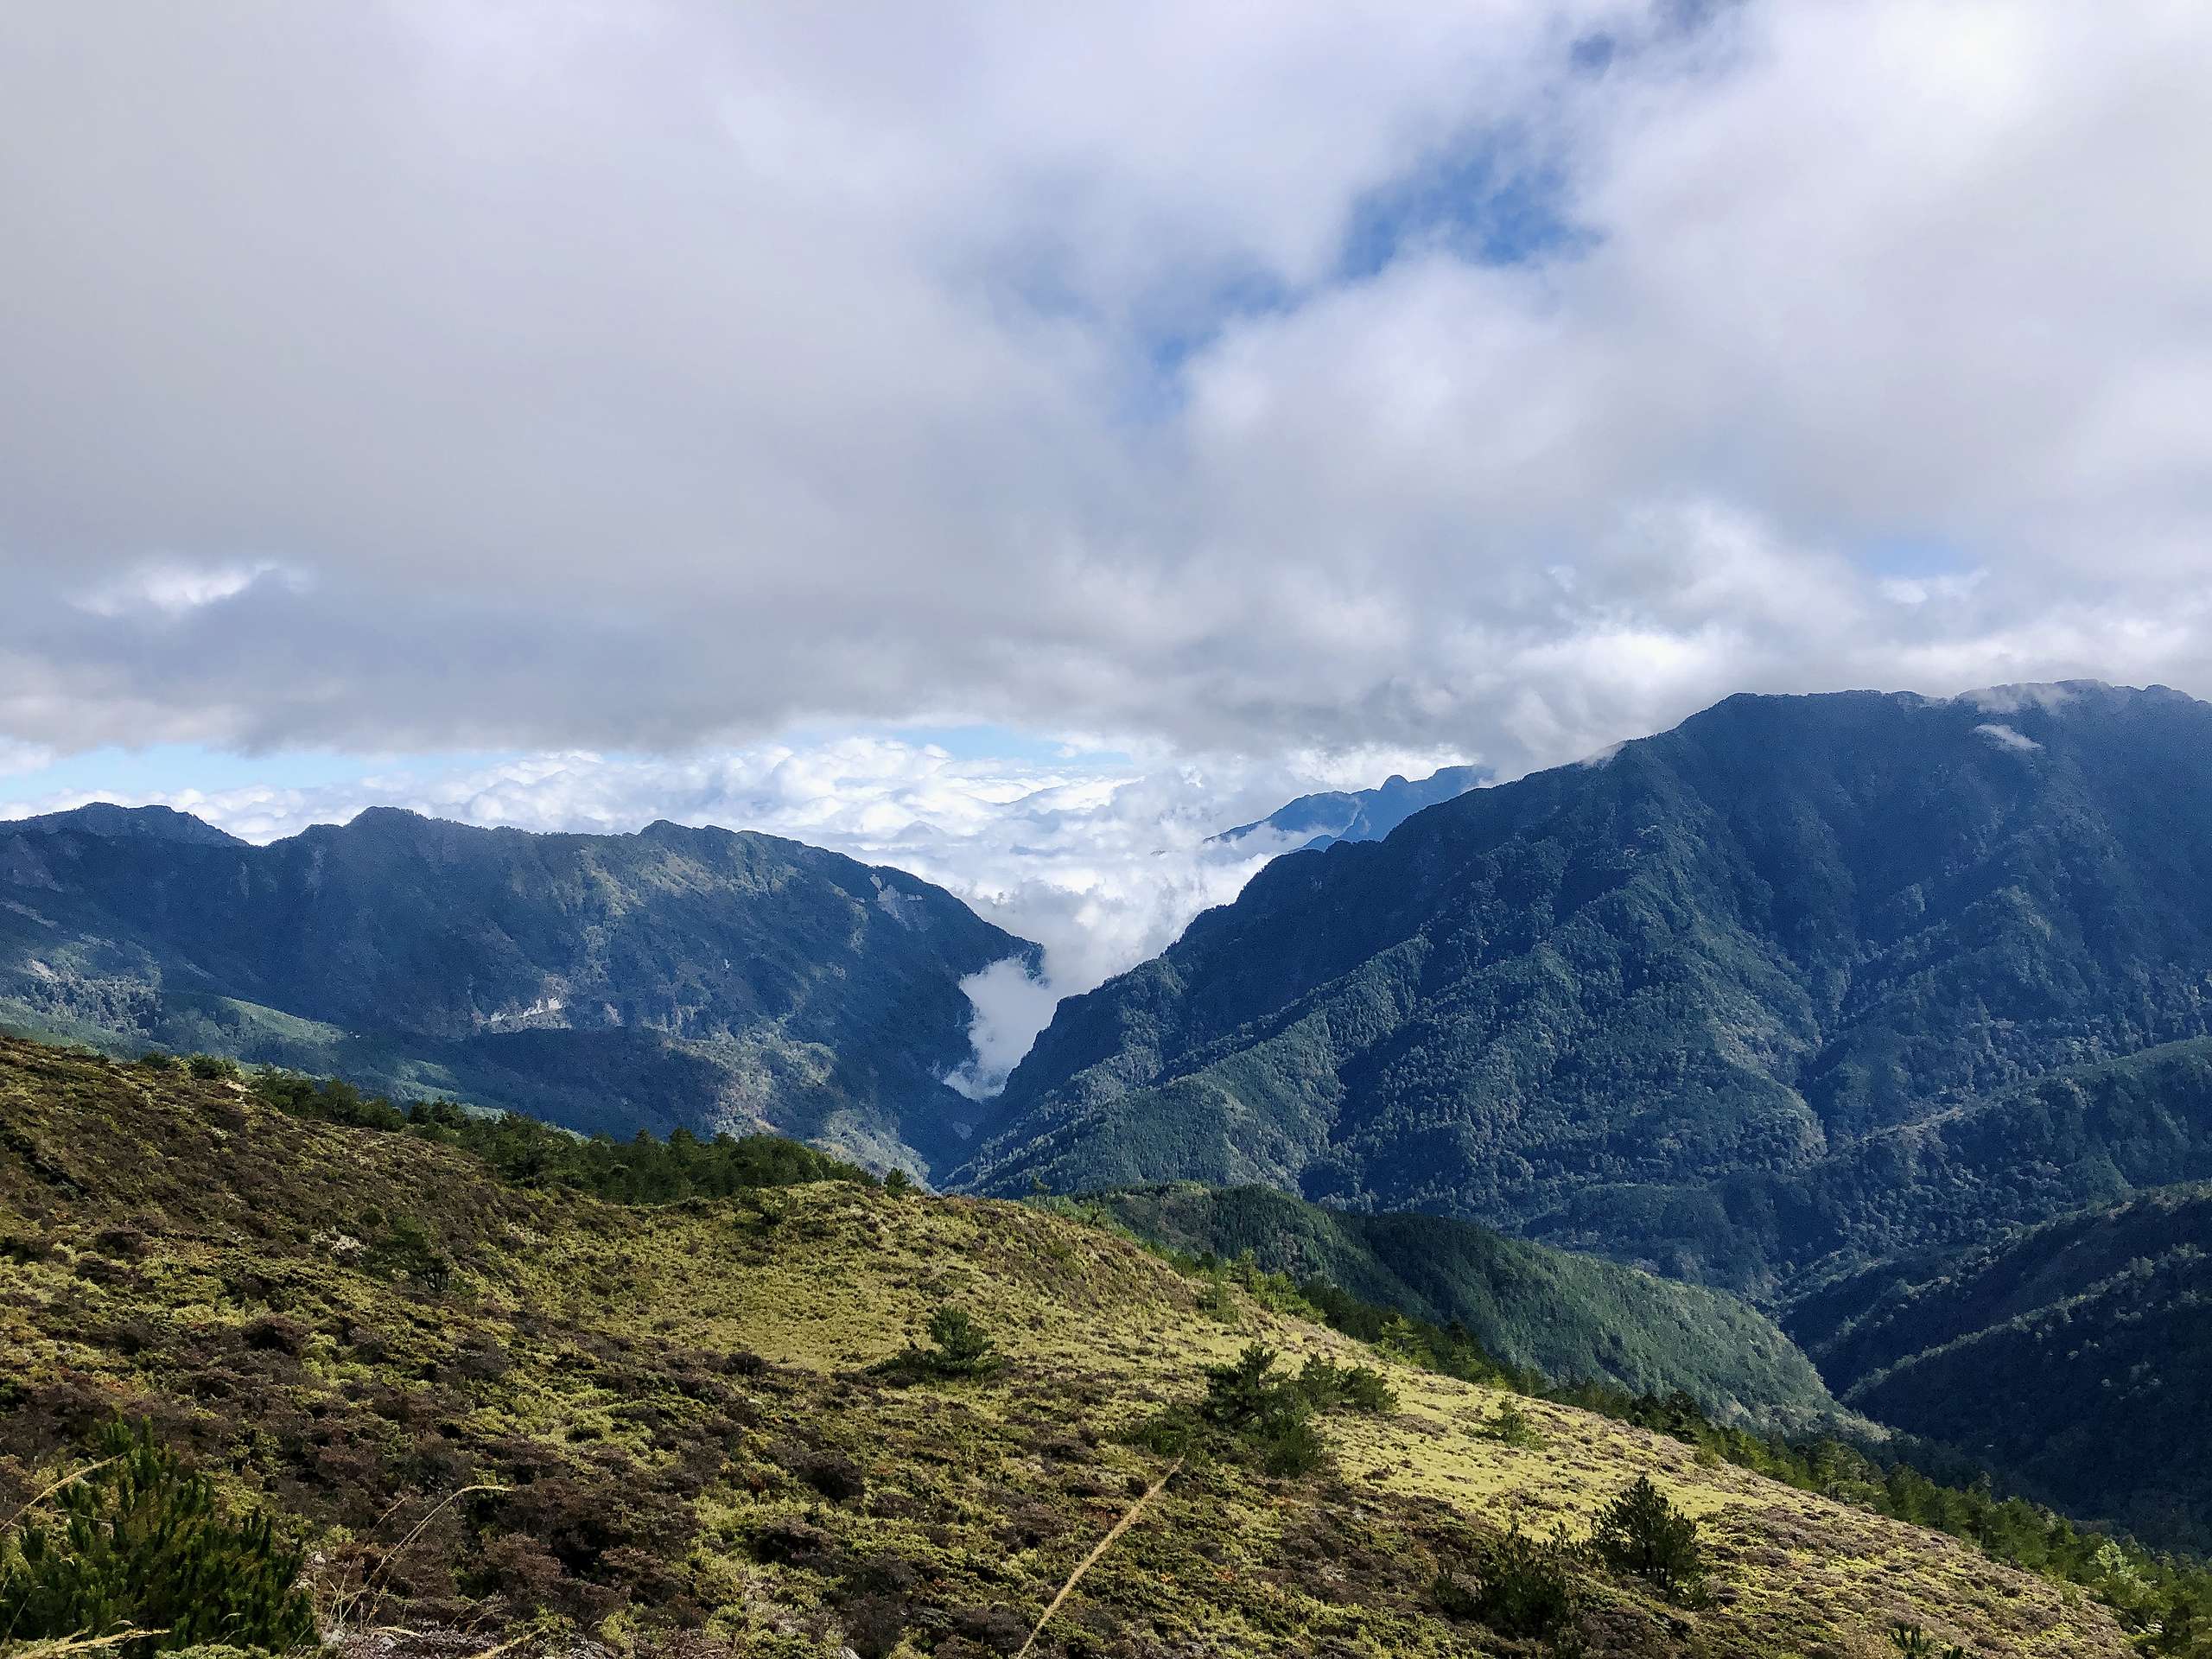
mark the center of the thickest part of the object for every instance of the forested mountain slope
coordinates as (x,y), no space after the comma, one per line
(2075,1357)
(2084,1134)
(499,1416)
(608,983)
(1573,1318)
(1583,1004)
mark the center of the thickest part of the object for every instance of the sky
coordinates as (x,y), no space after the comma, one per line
(1016,441)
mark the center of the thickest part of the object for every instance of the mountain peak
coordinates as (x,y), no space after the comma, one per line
(1313,822)
(118,822)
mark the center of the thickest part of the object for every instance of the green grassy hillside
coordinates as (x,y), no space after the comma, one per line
(1573,1318)
(493,1413)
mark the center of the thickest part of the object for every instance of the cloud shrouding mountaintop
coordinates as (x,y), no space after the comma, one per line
(1510,378)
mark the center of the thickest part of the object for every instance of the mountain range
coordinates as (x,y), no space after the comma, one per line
(702,978)
(2071,1356)
(1891,1015)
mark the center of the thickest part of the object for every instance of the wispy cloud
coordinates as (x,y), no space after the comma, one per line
(173,587)
(1012,1006)
(23,757)
(2005,737)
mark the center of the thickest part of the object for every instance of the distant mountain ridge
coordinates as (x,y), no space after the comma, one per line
(1604,1003)
(1313,822)
(675,976)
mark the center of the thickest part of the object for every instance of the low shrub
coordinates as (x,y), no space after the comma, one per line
(957,1344)
(1240,1394)
(1215,1301)
(406,1250)
(874,1626)
(1328,1386)
(138,1542)
(836,1477)
(1913,1643)
(1174,1433)
(1520,1587)
(1289,1445)
(1512,1426)
(958,1347)
(23,1248)
(1268,1413)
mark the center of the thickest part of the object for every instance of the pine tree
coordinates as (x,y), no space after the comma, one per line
(140,1543)
(1640,1532)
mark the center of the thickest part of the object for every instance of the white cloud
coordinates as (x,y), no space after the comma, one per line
(1012,1006)
(2005,737)
(174,587)
(23,757)
(1922,590)
(2012,699)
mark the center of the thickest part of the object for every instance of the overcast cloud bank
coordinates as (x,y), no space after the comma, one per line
(1511,379)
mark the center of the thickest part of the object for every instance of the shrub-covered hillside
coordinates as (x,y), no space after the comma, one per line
(838,1416)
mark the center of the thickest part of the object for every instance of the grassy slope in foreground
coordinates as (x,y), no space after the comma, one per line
(676,1406)
(1576,1318)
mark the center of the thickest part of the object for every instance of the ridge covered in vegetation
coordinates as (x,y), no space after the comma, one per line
(488,1410)
(2070,1356)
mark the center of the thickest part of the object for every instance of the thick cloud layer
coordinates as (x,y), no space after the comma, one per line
(1504,378)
